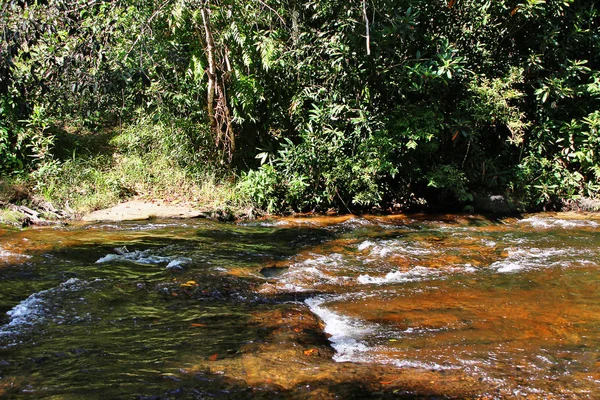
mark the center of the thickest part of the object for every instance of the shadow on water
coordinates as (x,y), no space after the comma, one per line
(357,388)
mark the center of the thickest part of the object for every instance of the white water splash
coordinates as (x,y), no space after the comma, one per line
(488,243)
(356,222)
(365,245)
(519,259)
(348,337)
(316,271)
(7,255)
(419,365)
(132,226)
(386,248)
(553,223)
(418,273)
(345,332)
(178,263)
(36,308)
(145,257)
(415,274)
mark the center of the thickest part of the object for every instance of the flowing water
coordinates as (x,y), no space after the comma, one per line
(339,307)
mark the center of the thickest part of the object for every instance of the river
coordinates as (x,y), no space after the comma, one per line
(404,306)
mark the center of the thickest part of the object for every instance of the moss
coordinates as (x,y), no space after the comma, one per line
(10,217)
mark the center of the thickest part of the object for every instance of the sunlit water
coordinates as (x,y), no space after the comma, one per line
(446,306)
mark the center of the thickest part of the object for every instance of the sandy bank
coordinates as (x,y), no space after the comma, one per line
(140,210)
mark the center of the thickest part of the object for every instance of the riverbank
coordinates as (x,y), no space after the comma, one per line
(131,188)
(138,209)
(141,210)
(139,172)
(129,210)
(23,206)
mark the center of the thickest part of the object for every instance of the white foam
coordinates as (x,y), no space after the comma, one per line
(347,336)
(365,245)
(386,248)
(109,258)
(178,263)
(519,259)
(33,309)
(468,268)
(418,273)
(545,359)
(354,222)
(144,257)
(331,260)
(345,332)
(316,271)
(420,365)
(551,223)
(137,226)
(5,254)
(26,311)
(415,274)
(305,278)
(508,266)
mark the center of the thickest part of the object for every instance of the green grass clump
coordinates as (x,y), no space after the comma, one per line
(9,217)
(144,161)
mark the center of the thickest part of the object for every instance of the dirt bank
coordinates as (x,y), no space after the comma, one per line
(140,210)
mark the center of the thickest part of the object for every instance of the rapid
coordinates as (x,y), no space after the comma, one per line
(403,306)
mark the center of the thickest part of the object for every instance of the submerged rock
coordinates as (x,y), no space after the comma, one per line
(273,272)
(294,359)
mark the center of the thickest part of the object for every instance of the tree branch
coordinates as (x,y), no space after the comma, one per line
(275,12)
(144,27)
(366,17)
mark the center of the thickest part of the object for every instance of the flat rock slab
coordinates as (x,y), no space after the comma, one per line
(140,210)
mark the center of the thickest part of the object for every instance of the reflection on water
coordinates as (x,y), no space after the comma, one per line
(348,307)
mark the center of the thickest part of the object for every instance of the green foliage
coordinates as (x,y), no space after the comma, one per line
(450,179)
(262,186)
(10,145)
(574,170)
(147,160)
(452,98)
(494,104)
(185,143)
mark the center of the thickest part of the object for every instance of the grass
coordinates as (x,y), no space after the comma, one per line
(9,217)
(146,161)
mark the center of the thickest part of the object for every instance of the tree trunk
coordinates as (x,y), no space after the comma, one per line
(219,114)
(210,55)
(368,35)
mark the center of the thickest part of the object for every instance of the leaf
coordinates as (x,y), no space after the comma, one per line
(311,352)
(263,157)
